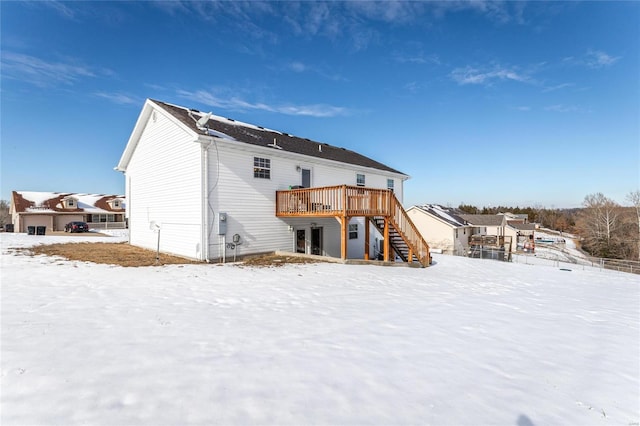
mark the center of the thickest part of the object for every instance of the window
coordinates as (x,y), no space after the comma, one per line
(116,204)
(261,168)
(360,179)
(95,218)
(390,184)
(70,202)
(353,231)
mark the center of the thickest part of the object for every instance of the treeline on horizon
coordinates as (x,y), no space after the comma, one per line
(604,227)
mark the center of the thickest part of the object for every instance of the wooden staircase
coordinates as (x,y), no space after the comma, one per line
(402,235)
(398,244)
(379,206)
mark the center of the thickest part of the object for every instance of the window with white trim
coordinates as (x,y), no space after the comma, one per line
(359,179)
(353,231)
(390,184)
(96,218)
(261,168)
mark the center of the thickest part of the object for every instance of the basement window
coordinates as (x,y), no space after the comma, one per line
(261,168)
(353,231)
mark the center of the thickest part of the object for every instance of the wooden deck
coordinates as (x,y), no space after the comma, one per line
(379,206)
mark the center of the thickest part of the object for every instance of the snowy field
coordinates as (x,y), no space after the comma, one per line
(465,342)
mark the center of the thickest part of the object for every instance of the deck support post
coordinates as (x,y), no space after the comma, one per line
(387,243)
(344,232)
(366,238)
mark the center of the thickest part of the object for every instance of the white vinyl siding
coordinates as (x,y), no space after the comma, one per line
(250,202)
(261,168)
(164,187)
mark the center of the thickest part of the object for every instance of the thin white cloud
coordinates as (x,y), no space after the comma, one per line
(118,98)
(298,67)
(61,8)
(239,104)
(592,59)
(523,108)
(562,108)
(557,87)
(470,75)
(599,59)
(44,73)
(418,58)
(301,67)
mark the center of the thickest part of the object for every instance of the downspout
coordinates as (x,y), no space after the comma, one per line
(204,167)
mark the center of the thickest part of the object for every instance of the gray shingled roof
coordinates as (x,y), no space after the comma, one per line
(483,219)
(256,135)
(522,226)
(445,214)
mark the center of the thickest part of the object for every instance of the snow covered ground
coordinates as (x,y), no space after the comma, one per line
(465,342)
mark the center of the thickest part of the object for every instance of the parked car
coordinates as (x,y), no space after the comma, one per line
(76,227)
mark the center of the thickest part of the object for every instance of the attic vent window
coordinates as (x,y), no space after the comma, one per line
(70,203)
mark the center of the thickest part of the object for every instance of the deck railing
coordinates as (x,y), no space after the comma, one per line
(353,201)
(342,200)
(407,229)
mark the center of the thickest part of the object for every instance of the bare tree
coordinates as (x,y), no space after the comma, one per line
(598,224)
(4,213)
(634,198)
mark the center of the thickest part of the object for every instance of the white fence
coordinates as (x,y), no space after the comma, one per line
(630,266)
(107,225)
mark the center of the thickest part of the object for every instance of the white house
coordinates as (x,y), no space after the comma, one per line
(215,188)
(486,224)
(442,228)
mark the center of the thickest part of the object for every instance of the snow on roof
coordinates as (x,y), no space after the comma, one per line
(50,202)
(261,136)
(444,213)
(38,198)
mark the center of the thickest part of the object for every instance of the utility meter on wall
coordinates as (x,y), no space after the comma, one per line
(222,224)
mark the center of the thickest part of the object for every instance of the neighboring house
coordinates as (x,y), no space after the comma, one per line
(54,210)
(442,228)
(216,187)
(516,217)
(486,224)
(522,234)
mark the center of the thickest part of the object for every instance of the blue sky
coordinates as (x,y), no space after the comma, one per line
(484,103)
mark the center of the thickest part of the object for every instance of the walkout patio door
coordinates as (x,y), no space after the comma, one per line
(316,241)
(301,241)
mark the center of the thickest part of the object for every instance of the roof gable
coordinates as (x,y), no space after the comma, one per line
(237,131)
